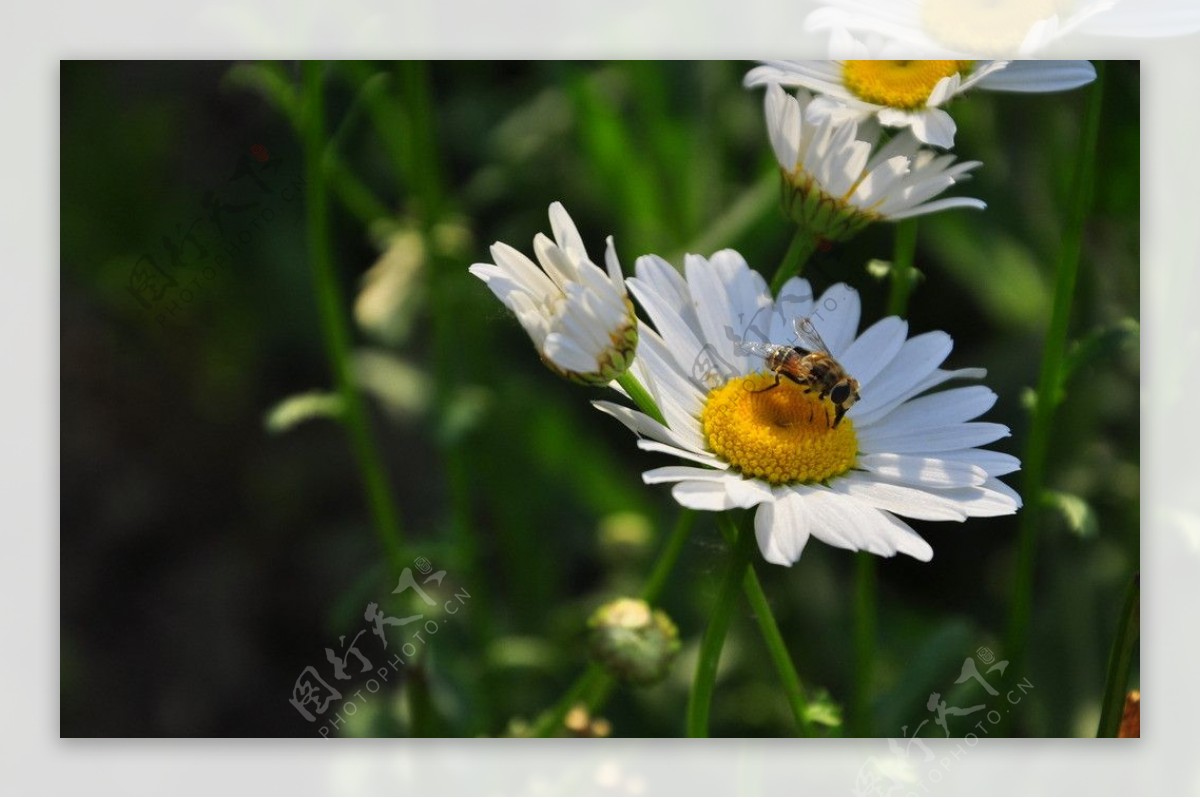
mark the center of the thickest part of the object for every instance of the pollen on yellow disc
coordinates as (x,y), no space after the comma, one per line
(781,435)
(898,84)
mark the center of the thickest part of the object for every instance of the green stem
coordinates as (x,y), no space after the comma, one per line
(793,687)
(668,557)
(803,245)
(865,577)
(1050,378)
(595,685)
(334,324)
(864,643)
(641,397)
(903,274)
(700,698)
(414,148)
(1120,661)
(590,689)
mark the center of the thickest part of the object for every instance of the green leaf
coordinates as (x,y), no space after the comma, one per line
(302,407)
(1079,515)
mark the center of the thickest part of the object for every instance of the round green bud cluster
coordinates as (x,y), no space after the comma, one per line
(632,641)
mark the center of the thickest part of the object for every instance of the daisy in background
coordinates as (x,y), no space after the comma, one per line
(1012,28)
(909,94)
(834,186)
(578,316)
(753,439)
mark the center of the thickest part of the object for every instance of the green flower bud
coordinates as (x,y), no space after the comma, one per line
(633,641)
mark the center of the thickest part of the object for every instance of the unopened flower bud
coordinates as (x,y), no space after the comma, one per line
(633,641)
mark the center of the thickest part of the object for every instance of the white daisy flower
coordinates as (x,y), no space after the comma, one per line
(909,94)
(579,318)
(1012,28)
(756,440)
(835,186)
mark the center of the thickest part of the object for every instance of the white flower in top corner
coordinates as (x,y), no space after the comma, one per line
(909,94)
(999,28)
(579,317)
(759,439)
(836,186)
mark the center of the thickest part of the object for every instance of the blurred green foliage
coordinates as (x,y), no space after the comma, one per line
(213,548)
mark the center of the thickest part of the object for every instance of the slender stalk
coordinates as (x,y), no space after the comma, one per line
(334,324)
(1120,661)
(864,643)
(803,245)
(595,685)
(412,142)
(700,698)
(640,396)
(903,274)
(590,689)
(793,687)
(865,577)
(668,557)
(1050,378)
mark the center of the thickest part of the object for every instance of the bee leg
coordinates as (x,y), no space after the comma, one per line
(769,387)
(838,414)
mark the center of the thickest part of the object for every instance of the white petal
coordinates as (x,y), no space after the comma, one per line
(720,494)
(727,297)
(641,424)
(782,527)
(848,523)
(904,500)
(565,233)
(935,379)
(874,349)
(566,353)
(836,315)
(687,454)
(783,125)
(657,476)
(939,205)
(990,499)
(795,301)
(940,409)
(934,126)
(917,359)
(614,266)
(822,76)
(926,470)
(680,338)
(1040,76)
(523,269)
(996,464)
(918,441)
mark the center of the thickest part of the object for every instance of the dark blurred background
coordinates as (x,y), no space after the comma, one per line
(215,535)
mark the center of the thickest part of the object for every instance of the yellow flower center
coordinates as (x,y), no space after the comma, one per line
(782,435)
(898,84)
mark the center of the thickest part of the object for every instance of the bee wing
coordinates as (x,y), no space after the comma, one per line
(754,348)
(807,336)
